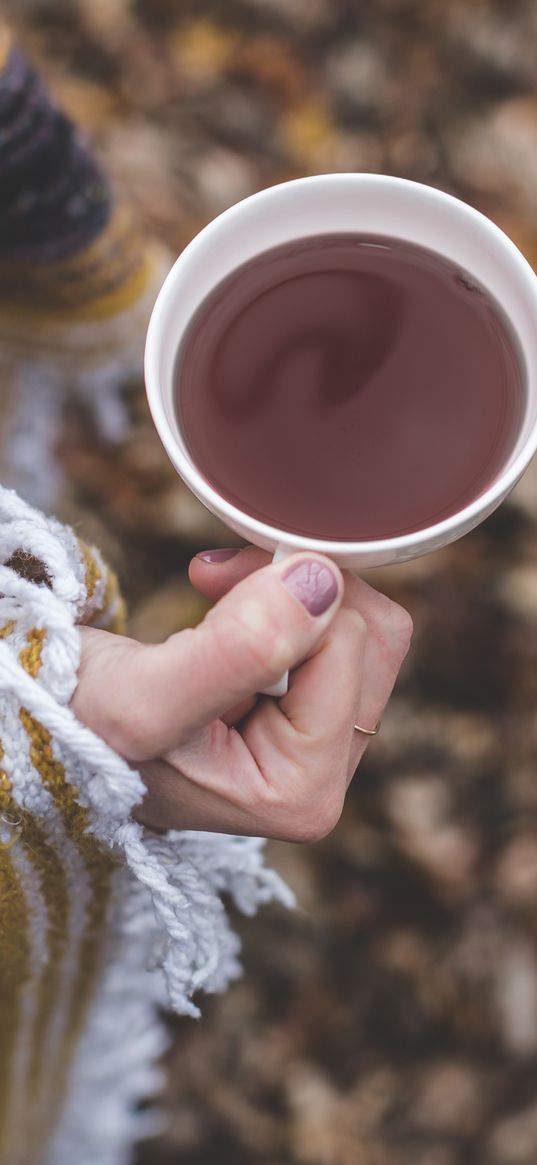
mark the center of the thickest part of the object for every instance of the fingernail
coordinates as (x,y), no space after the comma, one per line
(218,555)
(313,584)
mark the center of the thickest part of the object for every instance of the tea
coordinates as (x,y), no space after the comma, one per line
(349,387)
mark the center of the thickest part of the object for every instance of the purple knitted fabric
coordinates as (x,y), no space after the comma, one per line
(54,199)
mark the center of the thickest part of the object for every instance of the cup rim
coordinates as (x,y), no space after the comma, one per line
(438,532)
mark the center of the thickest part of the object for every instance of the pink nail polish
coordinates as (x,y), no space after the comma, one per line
(313,584)
(216,556)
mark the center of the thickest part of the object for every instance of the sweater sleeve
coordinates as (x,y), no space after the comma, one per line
(100,921)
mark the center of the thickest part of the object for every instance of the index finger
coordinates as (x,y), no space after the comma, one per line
(214,572)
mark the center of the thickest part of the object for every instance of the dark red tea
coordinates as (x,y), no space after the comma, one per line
(349,387)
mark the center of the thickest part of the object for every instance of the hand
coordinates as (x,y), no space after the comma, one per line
(213,754)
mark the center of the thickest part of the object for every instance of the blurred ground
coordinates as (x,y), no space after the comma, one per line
(393,1020)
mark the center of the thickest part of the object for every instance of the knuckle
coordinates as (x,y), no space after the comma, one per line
(255,642)
(400,626)
(308,813)
(393,627)
(317,819)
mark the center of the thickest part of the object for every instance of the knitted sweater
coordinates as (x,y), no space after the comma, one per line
(78,279)
(96,914)
(100,921)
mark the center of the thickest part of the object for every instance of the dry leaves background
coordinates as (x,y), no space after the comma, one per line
(393,1019)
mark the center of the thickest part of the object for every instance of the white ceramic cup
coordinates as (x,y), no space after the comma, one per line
(337,203)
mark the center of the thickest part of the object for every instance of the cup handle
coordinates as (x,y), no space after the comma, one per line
(281,686)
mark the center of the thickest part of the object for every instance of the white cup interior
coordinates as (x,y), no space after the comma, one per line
(370,203)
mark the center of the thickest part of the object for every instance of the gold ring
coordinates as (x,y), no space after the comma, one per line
(368,731)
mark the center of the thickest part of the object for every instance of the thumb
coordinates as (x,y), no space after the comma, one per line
(269,622)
